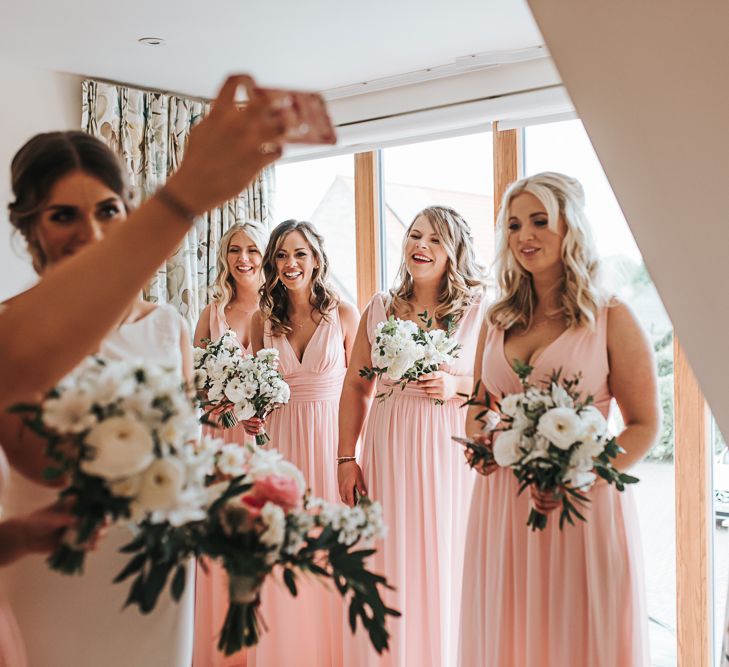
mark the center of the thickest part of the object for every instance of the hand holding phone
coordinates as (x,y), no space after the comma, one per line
(304,113)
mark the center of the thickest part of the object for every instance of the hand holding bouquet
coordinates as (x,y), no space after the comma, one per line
(403,352)
(116,429)
(239,387)
(262,520)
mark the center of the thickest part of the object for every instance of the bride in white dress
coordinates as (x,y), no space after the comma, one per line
(79,621)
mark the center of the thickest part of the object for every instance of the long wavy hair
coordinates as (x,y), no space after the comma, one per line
(224,285)
(464,277)
(274,301)
(580,290)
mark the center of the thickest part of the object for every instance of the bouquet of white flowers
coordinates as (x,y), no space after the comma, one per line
(556,441)
(236,386)
(119,432)
(404,352)
(261,519)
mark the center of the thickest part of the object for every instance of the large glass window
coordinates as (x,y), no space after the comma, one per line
(322,192)
(565,147)
(455,172)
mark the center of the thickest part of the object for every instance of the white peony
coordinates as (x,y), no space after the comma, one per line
(506,448)
(162,485)
(121,447)
(244,410)
(579,479)
(561,426)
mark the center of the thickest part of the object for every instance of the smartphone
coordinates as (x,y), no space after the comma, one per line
(305,114)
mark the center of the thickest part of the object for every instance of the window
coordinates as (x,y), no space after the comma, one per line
(322,192)
(455,172)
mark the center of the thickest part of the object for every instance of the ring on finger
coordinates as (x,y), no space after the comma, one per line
(267,147)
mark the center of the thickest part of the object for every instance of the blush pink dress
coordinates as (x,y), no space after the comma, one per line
(211,586)
(418,473)
(557,598)
(12,651)
(306,631)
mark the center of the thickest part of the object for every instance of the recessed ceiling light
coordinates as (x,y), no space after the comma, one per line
(152,41)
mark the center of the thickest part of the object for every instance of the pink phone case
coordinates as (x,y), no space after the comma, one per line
(305,114)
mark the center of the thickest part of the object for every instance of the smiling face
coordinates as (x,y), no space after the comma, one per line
(244,261)
(425,257)
(80,210)
(536,247)
(295,261)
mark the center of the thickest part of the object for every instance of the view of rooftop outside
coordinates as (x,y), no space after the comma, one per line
(322,192)
(565,147)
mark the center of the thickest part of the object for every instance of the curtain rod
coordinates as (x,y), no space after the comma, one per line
(146,89)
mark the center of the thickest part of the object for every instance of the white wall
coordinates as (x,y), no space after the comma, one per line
(33,101)
(649,81)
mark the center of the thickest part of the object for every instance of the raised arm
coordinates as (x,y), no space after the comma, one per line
(222,158)
(633,383)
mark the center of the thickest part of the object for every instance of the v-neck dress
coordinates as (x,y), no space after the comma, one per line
(211,582)
(553,598)
(412,466)
(306,630)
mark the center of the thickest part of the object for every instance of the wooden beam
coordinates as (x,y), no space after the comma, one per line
(366,193)
(507,161)
(694,517)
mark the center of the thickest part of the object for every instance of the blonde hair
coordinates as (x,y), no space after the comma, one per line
(274,301)
(224,285)
(581,294)
(464,277)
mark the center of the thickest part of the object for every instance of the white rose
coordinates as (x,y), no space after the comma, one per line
(560,397)
(561,426)
(121,447)
(127,487)
(162,485)
(235,391)
(506,448)
(244,410)
(274,519)
(69,413)
(510,404)
(593,423)
(233,459)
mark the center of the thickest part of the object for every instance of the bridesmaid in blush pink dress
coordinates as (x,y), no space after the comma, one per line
(409,462)
(313,331)
(235,299)
(572,597)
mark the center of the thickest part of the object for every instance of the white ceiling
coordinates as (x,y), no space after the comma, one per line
(317,44)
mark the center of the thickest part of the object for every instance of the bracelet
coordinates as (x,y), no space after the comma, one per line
(345,459)
(174,204)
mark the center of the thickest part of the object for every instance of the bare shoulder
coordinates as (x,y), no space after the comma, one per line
(621,320)
(348,313)
(257,320)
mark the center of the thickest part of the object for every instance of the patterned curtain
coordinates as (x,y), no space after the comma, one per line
(149,131)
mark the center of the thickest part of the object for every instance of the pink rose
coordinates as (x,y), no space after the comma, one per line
(282,491)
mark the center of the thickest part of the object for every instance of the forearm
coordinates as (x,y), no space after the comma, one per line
(353,408)
(636,440)
(81,305)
